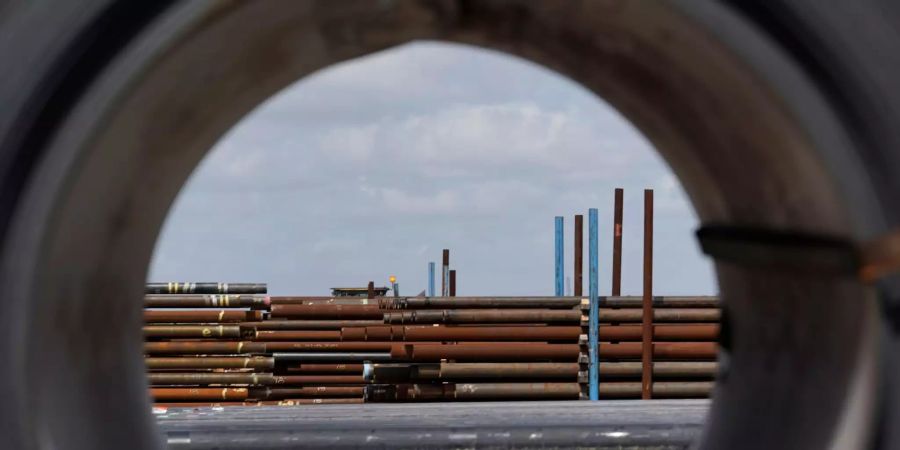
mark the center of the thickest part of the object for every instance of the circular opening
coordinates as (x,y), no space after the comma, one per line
(735,131)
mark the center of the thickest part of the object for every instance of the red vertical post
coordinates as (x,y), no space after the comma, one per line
(617,245)
(371,291)
(579,254)
(647,301)
(445,274)
(453,283)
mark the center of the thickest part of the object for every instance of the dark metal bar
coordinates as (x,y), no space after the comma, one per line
(473,391)
(617,244)
(267,393)
(210,362)
(579,255)
(661,369)
(206,288)
(292,335)
(453,283)
(206,301)
(202,316)
(170,394)
(328,346)
(309,324)
(660,389)
(403,373)
(483,316)
(661,350)
(204,348)
(371,290)
(249,378)
(679,332)
(445,273)
(661,315)
(320,369)
(331,356)
(670,301)
(647,322)
(443,333)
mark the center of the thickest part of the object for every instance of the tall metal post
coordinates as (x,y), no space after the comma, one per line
(647,301)
(560,271)
(579,254)
(431,279)
(617,245)
(395,286)
(453,283)
(445,274)
(593,317)
(371,290)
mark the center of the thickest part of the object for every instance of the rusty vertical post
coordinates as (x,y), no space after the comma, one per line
(453,283)
(647,322)
(617,245)
(445,274)
(371,290)
(579,254)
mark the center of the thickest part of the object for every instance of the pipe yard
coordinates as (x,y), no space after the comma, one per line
(232,344)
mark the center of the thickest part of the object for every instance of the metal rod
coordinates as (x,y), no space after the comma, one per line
(192,331)
(559,259)
(483,316)
(579,255)
(617,244)
(370,290)
(401,373)
(331,356)
(249,378)
(594,312)
(661,350)
(679,332)
(206,288)
(453,283)
(206,301)
(661,315)
(170,394)
(661,389)
(443,333)
(312,368)
(344,312)
(647,320)
(210,362)
(661,301)
(661,369)
(487,352)
(268,393)
(431,279)
(480,302)
(445,273)
(204,348)
(309,324)
(202,316)
(473,391)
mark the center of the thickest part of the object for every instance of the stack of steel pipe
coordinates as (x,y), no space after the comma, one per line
(204,346)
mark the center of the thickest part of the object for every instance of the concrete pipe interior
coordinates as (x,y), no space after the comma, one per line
(730,113)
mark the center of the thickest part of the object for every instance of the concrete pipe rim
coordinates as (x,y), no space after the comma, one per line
(82,231)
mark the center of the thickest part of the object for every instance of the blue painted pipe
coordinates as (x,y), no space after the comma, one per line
(560,270)
(431,279)
(593,322)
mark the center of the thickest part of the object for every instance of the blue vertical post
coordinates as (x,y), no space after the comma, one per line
(560,271)
(431,279)
(396,288)
(593,317)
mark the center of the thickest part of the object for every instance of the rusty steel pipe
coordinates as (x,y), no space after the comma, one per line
(617,242)
(679,332)
(328,346)
(206,288)
(331,356)
(647,301)
(666,301)
(202,316)
(206,301)
(204,348)
(479,302)
(323,368)
(385,373)
(291,335)
(661,369)
(193,394)
(210,362)
(661,350)
(486,352)
(302,300)
(343,312)
(473,391)
(269,393)
(300,325)
(286,402)
(661,315)
(442,333)
(482,316)
(250,378)
(660,389)
(578,252)
(192,331)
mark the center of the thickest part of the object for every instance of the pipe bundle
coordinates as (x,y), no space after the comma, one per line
(249,348)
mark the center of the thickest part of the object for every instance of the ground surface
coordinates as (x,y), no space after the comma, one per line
(605,424)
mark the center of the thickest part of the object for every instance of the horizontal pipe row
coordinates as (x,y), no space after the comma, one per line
(206,288)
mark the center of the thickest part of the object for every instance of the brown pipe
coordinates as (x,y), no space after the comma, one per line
(267,393)
(647,316)
(669,301)
(328,346)
(344,312)
(479,302)
(474,391)
(394,373)
(256,379)
(578,263)
(300,325)
(281,335)
(442,333)
(298,300)
(203,348)
(692,332)
(192,331)
(287,402)
(484,316)
(661,350)
(486,352)
(661,315)
(323,368)
(170,394)
(210,362)
(206,301)
(202,316)
(661,369)
(660,389)
(617,243)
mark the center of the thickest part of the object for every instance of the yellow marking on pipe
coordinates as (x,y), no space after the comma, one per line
(227,300)
(224,393)
(206,332)
(221,315)
(221,330)
(240,346)
(246,362)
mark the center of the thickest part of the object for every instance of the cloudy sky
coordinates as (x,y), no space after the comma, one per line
(369,168)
